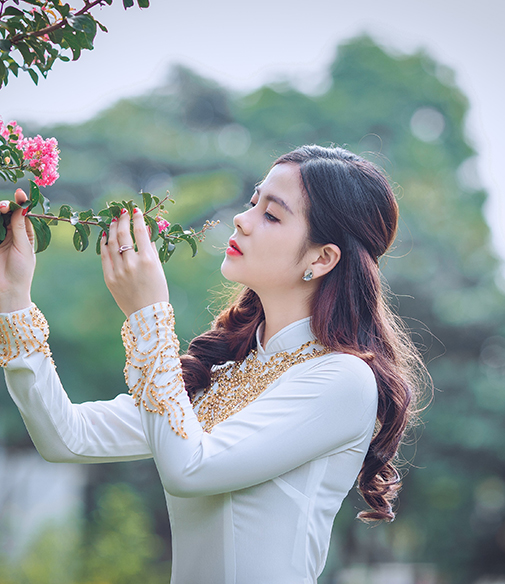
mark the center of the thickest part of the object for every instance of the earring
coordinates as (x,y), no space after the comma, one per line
(307,276)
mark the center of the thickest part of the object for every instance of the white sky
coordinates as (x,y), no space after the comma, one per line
(243,45)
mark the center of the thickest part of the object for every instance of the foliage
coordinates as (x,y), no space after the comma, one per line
(118,547)
(33,38)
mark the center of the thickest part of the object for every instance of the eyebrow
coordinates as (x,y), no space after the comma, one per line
(275,199)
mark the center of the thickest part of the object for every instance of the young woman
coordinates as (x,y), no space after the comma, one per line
(303,384)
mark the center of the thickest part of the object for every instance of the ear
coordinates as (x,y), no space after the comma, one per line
(328,258)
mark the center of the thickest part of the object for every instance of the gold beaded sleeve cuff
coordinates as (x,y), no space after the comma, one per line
(23,332)
(153,371)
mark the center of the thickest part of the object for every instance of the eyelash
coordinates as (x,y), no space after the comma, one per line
(268,216)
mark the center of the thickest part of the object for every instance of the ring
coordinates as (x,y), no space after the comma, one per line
(123,248)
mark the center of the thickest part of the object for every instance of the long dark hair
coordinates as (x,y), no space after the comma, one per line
(350,204)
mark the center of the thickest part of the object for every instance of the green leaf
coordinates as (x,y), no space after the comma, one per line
(34,76)
(166,251)
(26,53)
(42,233)
(190,240)
(3,228)
(83,23)
(34,195)
(85,215)
(44,203)
(148,200)
(143,3)
(127,3)
(65,211)
(102,27)
(81,240)
(5,45)
(11,11)
(175,229)
(155,231)
(98,242)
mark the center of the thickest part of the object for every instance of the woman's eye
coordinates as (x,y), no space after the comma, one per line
(271,218)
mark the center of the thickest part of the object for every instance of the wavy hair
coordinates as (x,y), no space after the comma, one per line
(349,203)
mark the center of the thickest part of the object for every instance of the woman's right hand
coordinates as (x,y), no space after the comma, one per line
(17,259)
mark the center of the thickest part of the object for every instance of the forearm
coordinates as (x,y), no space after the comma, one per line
(62,431)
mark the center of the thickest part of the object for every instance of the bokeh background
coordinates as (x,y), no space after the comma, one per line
(200,99)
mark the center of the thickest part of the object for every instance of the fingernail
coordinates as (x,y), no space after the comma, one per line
(136,210)
(123,211)
(24,211)
(103,234)
(114,219)
(3,204)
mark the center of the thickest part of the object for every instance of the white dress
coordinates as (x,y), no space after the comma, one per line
(252,497)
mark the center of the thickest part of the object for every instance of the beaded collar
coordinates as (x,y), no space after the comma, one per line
(238,383)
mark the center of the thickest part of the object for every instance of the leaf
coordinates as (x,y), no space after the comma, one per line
(34,195)
(127,3)
(34,76)
(42,233)
(81,240)
(3,229)
(148,200)
(85,215)
(143,3)
(83,23)
(5,45)
(190,240)
(44,203)
(11,11)
(155,230)
(175,229)
(102,27)
(98,242)
(166,251)
(65,211)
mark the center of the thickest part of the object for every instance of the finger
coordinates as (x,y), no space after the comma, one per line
(19,233)
(30,232)
(4,207)
(20,196)
(140,230)
(123,229)
(112,243)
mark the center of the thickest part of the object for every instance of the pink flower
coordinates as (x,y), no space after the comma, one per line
(163,224)
(43,155)
(16,129)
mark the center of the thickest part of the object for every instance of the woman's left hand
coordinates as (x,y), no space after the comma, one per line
(134,278)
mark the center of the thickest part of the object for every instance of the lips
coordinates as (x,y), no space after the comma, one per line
(233,247)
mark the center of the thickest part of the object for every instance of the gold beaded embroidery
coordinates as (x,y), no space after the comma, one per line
(241,382)
(23,332)
(149,364)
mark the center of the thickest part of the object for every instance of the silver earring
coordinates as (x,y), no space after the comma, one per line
(307,276)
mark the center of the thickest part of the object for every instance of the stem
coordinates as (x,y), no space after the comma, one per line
(87,221)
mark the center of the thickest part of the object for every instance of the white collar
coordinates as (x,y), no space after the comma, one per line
(289,338)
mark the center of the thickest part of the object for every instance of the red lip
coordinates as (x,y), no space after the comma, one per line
(233,248)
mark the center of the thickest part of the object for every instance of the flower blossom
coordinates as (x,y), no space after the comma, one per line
(163,224)
(16,129)
(42,156)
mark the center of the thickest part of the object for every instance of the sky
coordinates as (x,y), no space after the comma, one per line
(245,44)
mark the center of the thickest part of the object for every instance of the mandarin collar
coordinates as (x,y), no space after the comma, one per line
(289,338)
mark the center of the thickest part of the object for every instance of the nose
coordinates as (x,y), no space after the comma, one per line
(241,222)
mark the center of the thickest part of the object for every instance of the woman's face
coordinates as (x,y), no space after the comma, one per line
(264,251)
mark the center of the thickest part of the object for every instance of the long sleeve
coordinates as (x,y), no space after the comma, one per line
(102,431)
(323,406)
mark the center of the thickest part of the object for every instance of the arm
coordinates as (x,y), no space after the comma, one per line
(62,431)
(324,406)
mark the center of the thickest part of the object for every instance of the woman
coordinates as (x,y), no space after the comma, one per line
(303,384)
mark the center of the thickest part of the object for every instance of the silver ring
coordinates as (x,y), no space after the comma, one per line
(123,248)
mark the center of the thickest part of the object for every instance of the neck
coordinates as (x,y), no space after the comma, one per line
(281,311)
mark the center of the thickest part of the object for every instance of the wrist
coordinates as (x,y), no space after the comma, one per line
(14,303)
